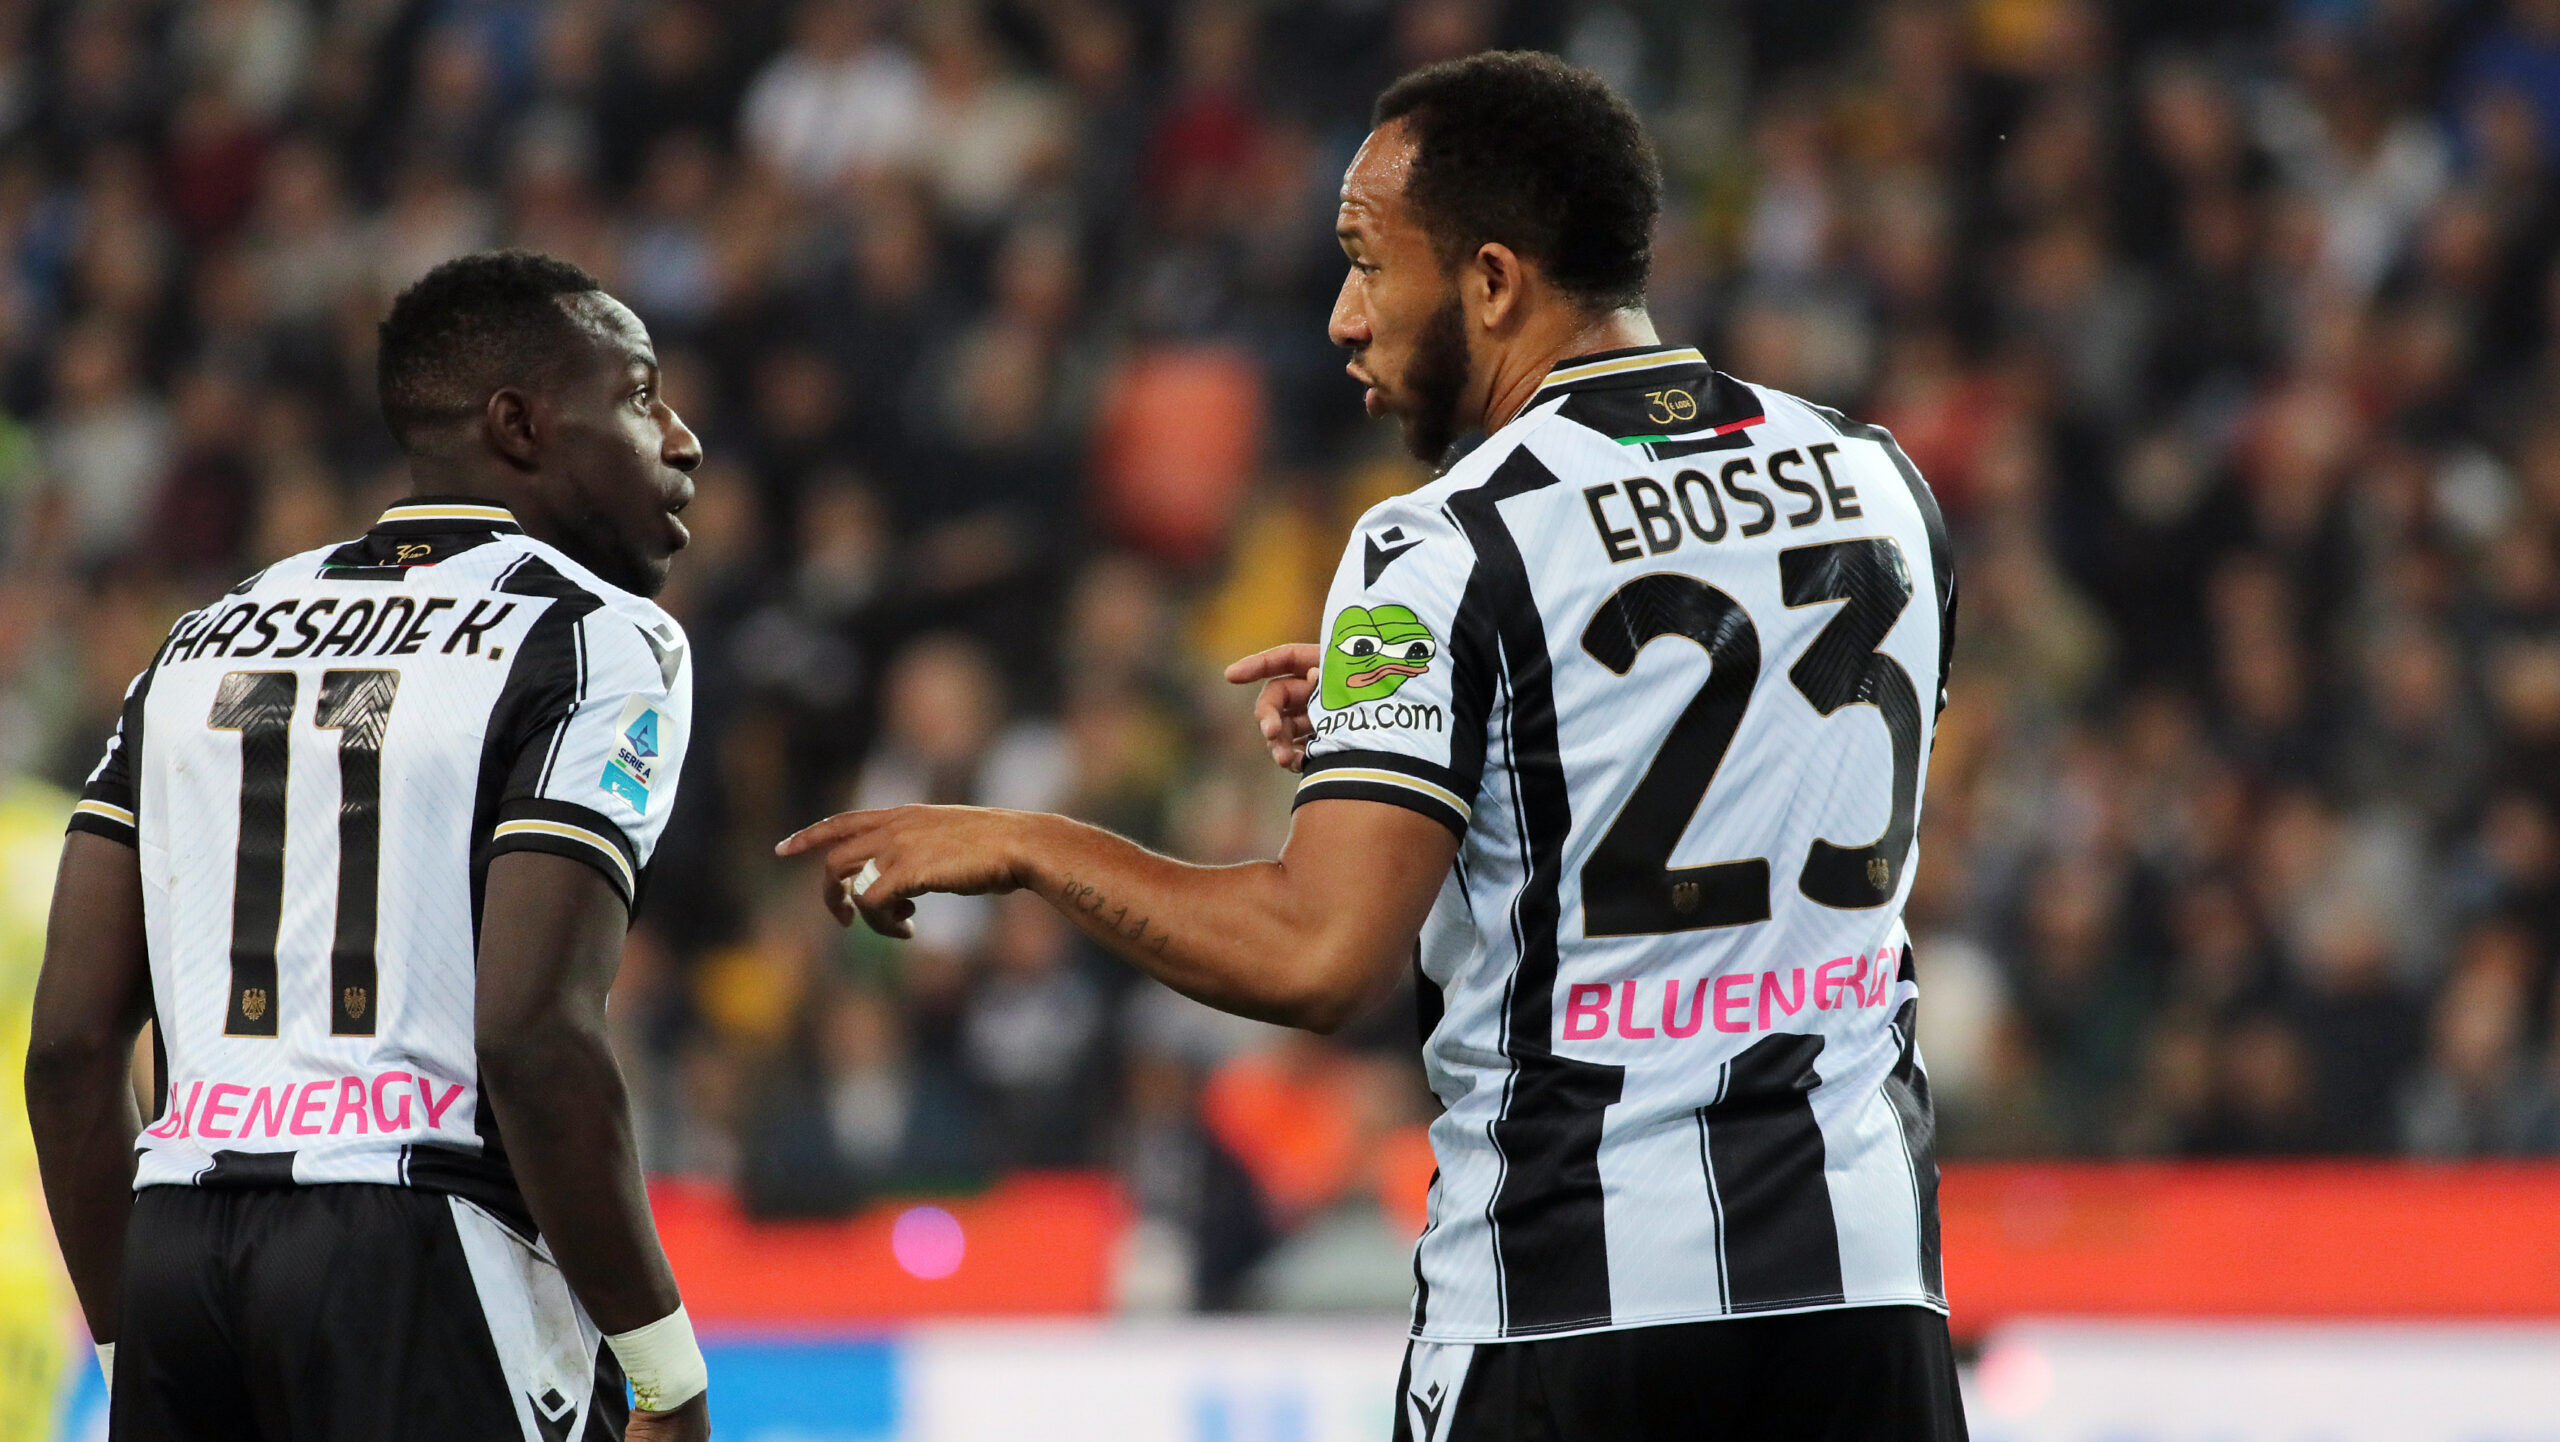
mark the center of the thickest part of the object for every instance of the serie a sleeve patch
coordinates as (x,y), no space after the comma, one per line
(631,769)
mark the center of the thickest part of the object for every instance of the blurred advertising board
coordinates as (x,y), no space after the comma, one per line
(2359,1240)
(1289,1380)
(2055,1381)
(2343,1240)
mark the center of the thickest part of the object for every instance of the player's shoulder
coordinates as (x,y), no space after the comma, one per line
(279,575)
(1819,429)
(623,630)
(1817,419)
(1414,531)
(1429,507)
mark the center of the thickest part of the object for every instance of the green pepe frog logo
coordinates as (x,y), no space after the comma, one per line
(1375,649)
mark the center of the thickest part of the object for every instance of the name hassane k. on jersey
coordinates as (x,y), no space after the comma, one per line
(1666,652)
(317,770)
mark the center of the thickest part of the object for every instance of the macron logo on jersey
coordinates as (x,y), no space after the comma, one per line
(1375,563)
(633,768)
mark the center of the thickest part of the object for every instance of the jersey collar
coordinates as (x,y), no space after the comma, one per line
(443,515)
(1612,368)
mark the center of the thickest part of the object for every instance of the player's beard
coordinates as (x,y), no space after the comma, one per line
(1435,381)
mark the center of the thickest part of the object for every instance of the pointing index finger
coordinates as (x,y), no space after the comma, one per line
(825,833)
(1291,659)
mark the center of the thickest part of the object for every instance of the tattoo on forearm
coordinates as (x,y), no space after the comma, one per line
(1084,900)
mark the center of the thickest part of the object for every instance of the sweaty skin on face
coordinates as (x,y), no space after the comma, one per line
(1375,649)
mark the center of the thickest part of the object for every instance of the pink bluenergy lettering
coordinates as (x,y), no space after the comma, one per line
(1739,1003)
(1733,994)
(350,1104)
(1769,990)
(1627,1013)
(173,1123)
(218,1109)
(388,1122)
(1671,1006)
(1586,1013)
(267,1102)
(312,1101)
(363,1103)
(1829,980)
(436,1109)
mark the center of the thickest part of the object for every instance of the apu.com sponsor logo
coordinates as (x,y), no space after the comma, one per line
(1384,716)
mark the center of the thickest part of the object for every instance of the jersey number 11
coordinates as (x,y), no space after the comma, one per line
(260,705)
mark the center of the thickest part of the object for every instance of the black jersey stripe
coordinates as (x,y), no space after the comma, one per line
(560,733)
(358,705)
(1942,556)
(1510,982)
(1474,660)
(260,706)
(1907,1088)
(1386,790)
(247,1170)
(545,681)
(1715,1197)
(485,1179)
(1782,1243)
(111,799)
(1549,1213)
(1422,1280)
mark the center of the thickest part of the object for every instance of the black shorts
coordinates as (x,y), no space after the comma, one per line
(349,1314)
(1858,1374)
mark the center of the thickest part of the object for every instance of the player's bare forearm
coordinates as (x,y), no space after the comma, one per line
(1229,936)
(1302,940)
(551,940)
(90,1003)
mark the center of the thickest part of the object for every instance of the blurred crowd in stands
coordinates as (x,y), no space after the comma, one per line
(2223,330)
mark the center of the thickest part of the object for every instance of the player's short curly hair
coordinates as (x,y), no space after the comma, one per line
(466,328)
(1520,149)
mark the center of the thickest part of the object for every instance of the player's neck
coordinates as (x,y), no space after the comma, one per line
(1518,374)
(447,479)
(450,477)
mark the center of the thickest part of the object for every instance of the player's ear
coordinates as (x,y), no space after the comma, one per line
(507,422)
(1492,285)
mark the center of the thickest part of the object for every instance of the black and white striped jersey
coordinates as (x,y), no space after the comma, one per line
(316,771)
(1666,652)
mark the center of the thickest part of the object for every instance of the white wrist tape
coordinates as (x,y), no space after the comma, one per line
(107,1365)
(663,1362)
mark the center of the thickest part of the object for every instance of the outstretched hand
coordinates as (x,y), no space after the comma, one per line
(1288,676)
(877,862)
